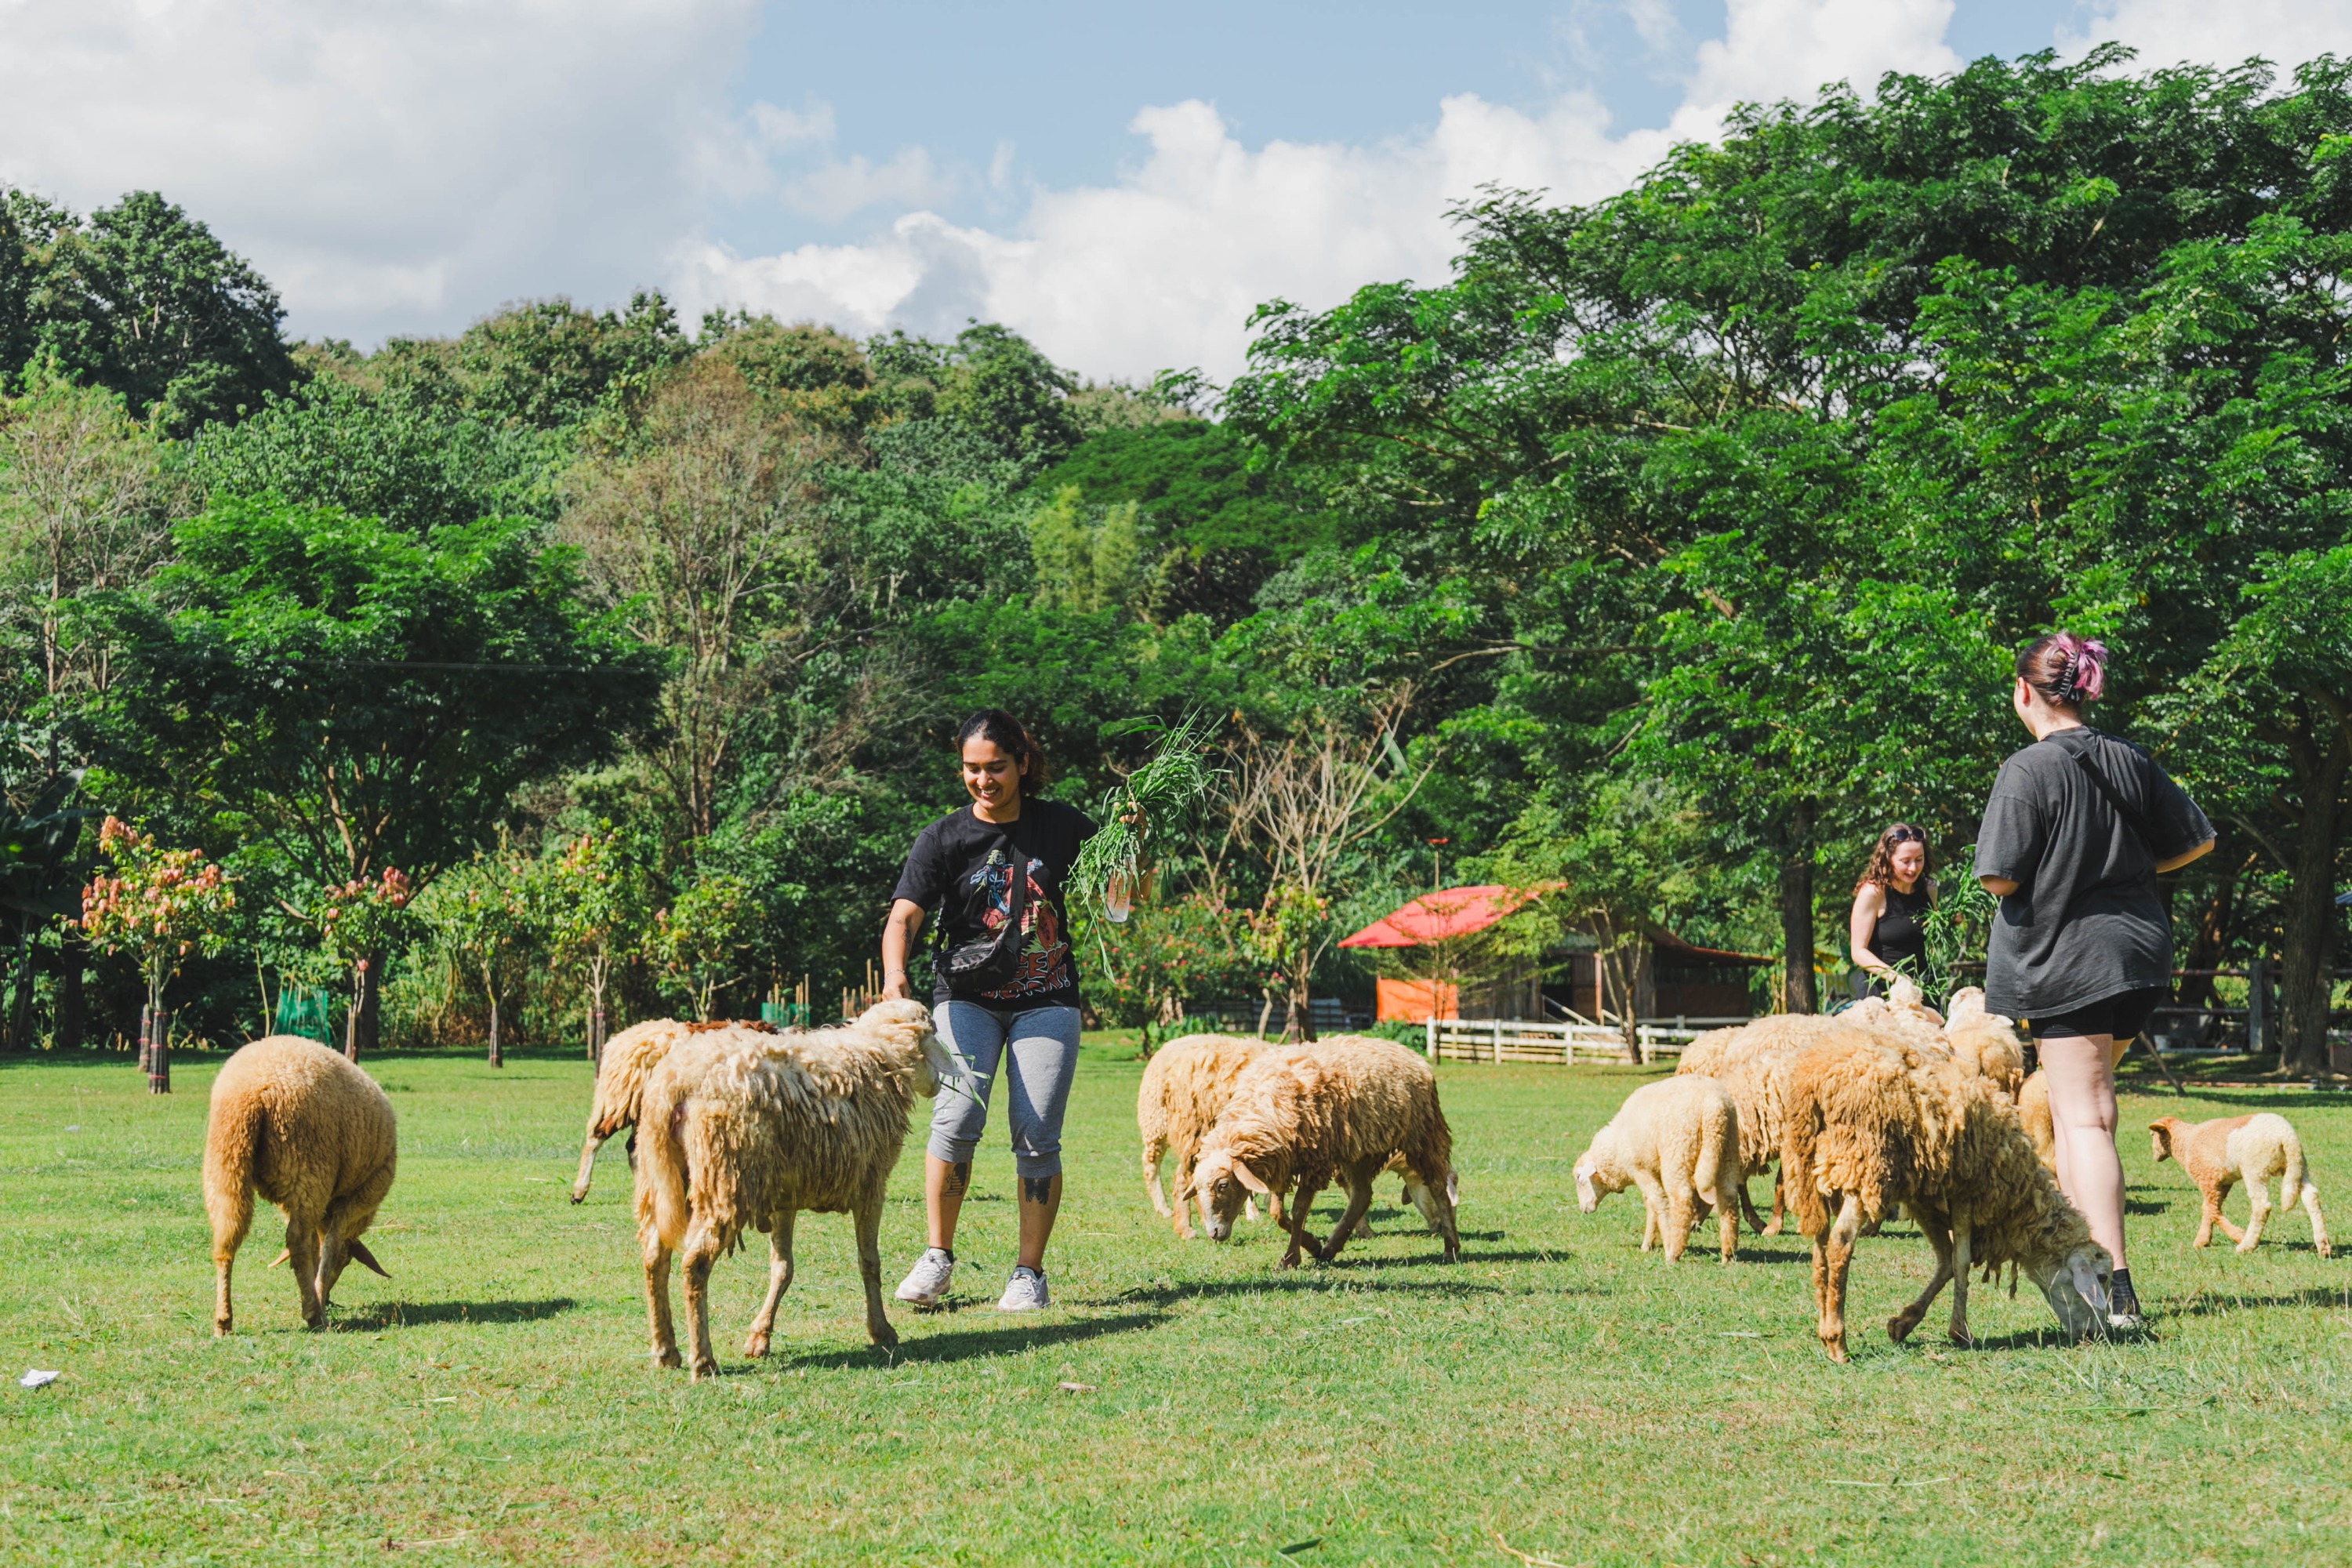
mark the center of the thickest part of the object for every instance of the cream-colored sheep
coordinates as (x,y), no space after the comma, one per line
(628,1056)
(2216,1155)
(1339,1109)
(1984,1043)
(1186,1086)
(313,1135)
(1878,1125)
(1678,1142)
(2033,1111)
(1751,1062)
(743,1128)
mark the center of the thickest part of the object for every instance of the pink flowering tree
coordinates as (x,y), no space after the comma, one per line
(162,906)
(359,922)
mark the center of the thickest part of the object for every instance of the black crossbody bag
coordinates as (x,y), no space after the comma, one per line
(990,962)
(2131,818)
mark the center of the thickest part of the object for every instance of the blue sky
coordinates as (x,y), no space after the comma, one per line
(1122,183)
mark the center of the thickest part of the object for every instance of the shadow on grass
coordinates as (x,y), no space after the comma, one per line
(969,1344)
(378,1316)
(2212,1304)
(2291,1095)
(1317,1278)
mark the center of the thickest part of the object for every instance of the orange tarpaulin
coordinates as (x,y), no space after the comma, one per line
(1448,912)
(1416,1001)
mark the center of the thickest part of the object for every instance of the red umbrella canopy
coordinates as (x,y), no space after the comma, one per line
(1449,911)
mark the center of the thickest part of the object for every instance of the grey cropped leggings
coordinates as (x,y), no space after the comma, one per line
(1040,1048)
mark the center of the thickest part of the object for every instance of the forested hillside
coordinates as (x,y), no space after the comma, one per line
(1658,557)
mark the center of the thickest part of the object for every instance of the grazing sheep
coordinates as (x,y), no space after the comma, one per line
(628,1056)
(312,1133)
(1186,1086)
(741,1128)
(1751,1062)
(1880,1124)
(1678,1141)
(2218,1154)
(1340,1108)
(2033,1110)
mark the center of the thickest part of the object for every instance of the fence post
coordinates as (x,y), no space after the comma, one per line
(2258,984)
(1498,1042)
(1430,1024)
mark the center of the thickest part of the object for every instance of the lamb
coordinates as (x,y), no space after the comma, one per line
(1340,1108)
(1881,1123)
(1186,1086)
(1678,1141)
(313,1135)
(744,1128)
(628,1057)
(2218,1154)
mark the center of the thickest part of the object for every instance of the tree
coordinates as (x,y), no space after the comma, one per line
(356,699)
(162,906)
(359,924)
(589,901)
(143,300)
(697,944)
(482,911)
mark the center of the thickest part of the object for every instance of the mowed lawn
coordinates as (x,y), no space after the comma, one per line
(1558,1391)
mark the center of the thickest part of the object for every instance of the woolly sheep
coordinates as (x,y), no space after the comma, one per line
(1678,1140)
(628,1056)
(1879,1124)
(313,1135)
(2218,1154)
(1751,1062)
(768,1125)
(2033,1111)
(1336,1109)
(1186,1086)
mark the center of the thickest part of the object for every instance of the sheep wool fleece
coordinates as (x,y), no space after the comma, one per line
(1039,1049)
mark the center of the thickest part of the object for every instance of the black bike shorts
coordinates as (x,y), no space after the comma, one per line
(2122,1016)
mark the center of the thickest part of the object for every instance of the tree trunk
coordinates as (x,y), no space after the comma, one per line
(20,999)
(1797,910)
(2309,921)
(158,1054)
(72,1008)
(146,1033)
(497,1060)
(363,1024)
(2217,930)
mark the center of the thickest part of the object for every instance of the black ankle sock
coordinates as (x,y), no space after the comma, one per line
(2121,1297)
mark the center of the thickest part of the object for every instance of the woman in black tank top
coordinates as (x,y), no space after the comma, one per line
(1888,929)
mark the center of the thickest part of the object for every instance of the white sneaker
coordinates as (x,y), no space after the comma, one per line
(926,1284)
(1025,1292)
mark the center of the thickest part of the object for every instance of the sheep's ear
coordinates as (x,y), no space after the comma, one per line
(359,1254)
(944,1068)
(1248,1178)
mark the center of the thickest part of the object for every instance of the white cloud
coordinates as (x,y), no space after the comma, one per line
(2168,32)
(1772,49)
(391,164)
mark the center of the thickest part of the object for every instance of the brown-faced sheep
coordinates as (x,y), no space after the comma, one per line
(1339,1109)
(1879,1125)
(628,1057)
(2216,1155)
(742,1129)
(313,1135)
(1677,1141)
(1185,1086)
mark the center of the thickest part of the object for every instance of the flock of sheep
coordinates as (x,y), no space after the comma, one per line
(743,1126)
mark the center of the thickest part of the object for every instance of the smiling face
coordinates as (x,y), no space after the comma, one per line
(1909,860)
(991,775)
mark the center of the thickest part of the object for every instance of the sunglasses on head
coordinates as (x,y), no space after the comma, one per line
(1906,836)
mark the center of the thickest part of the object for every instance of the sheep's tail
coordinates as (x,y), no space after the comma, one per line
(662,1175)
(2291,1183)
(1710,1159)
(232,1133)
(1800,1129)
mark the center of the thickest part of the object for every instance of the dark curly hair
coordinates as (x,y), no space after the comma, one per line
(1005,731)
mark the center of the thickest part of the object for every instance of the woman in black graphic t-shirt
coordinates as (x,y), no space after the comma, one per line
(1887,931)
(961,874)
(2077,829)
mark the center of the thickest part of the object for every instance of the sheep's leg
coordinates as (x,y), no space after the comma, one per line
(1727,1223)
(1653,1203)
(302,1253)
(779,1280)
(1681,1215)
(1780,1214)
(1358,1184)
(1301,1206)
(1748,1207)
(695,1259)
(2318,1225)
(1650,1226)
(1899,1327)
(1154,1149)
(868,1219)
(231,1221)
(1833,1256)
(1963,1242)
(2210,1215)
(588,1147)
(1187,1164)
(2258,1197)
(664,1332)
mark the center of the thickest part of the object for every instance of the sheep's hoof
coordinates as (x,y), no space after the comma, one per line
(1963,1340)
(220,1328)
(2325,1250)
(1836,1349)
(702,1369)
(1773,1228)
(884,1337)
(755,1346)
(1899,1327)
(668,1358)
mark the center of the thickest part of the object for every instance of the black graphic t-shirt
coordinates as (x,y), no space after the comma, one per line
(958,871)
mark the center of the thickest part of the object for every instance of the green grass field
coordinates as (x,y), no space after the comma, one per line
(1558,1391)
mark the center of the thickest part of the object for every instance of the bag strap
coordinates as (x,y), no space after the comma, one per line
(1016,890)
(2131,817)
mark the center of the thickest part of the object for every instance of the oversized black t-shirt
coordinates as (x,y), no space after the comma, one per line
(958,872)
(2086,922)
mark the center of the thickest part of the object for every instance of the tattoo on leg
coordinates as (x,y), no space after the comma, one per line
(959,1180)
(1036,1189)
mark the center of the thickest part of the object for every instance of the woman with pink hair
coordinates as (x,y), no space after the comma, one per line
(2079,826)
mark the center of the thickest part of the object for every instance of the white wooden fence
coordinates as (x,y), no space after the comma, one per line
(1531,1040)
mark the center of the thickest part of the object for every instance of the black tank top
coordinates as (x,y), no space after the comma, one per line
(1900,936)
